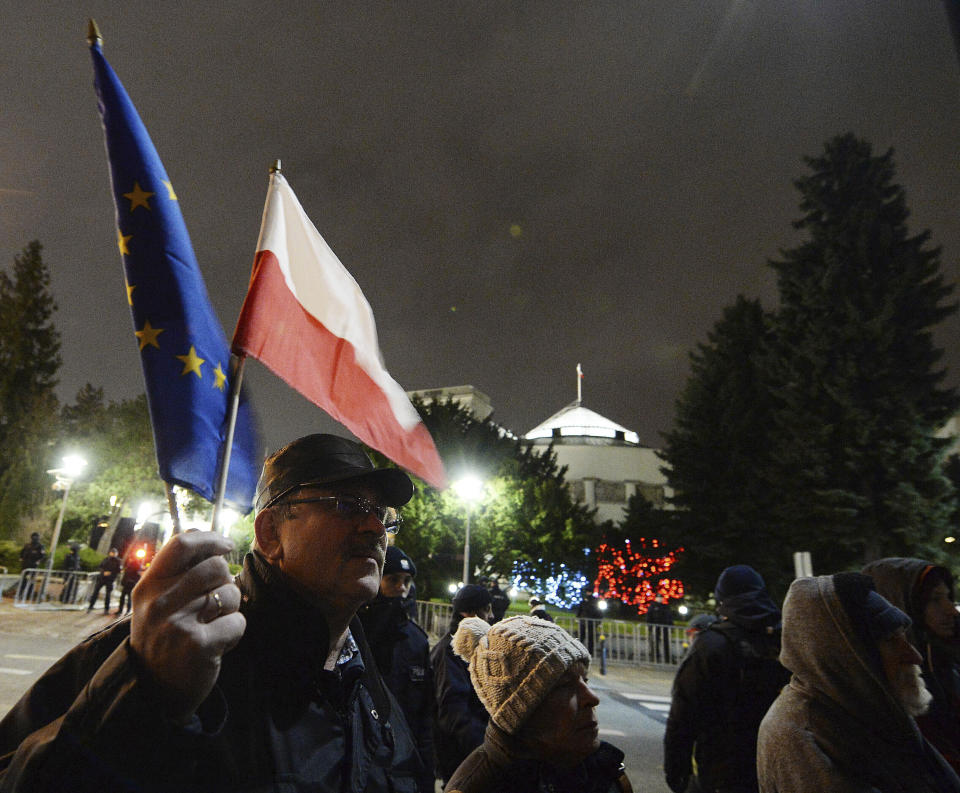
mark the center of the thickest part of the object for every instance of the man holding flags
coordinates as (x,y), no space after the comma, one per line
(215,685)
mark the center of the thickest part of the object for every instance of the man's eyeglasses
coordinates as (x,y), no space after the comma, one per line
(356,509)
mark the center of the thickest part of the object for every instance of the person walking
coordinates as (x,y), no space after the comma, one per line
(499,600)
(110,568)
(31,557)
(588,619)
(71,565)
(659,618)
(723,688)
(132,570)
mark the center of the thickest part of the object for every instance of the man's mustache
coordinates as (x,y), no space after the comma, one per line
(375,548)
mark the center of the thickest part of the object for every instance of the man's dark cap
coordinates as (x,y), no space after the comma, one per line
(322,460)
(872,615)
(738,580)
(472,598)
(398,562)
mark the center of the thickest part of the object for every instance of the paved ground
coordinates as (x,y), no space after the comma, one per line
(68,624)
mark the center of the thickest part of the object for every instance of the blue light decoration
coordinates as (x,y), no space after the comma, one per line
(556,584)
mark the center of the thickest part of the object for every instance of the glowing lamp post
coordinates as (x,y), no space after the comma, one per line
(73,466)
(469,490)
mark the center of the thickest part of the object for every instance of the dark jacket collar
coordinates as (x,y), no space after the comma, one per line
(289,636)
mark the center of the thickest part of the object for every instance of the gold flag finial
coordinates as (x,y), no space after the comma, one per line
(275,168)
(93,33)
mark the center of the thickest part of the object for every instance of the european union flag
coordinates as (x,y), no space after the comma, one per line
(186,360)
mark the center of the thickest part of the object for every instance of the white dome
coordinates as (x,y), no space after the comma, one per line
(577,421)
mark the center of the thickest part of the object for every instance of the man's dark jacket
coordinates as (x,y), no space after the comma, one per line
(461,717)
(275,719)
(31,555)
(110,567)
(720,694)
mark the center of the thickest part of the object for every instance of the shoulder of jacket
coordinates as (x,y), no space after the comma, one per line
(416,630)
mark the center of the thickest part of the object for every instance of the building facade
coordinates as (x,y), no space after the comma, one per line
(606,463)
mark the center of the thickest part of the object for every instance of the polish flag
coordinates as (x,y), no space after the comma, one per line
(305,318)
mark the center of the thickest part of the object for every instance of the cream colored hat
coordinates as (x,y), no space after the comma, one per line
(515,663)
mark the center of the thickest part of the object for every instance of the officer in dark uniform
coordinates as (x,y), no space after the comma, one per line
(402,653)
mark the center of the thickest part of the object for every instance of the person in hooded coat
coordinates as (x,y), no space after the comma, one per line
(723,689)
(925,592)
(844,723)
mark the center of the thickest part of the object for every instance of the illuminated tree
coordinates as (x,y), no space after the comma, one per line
(554,583)
(636,572)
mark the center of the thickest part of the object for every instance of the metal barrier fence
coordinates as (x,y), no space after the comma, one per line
(620,641)
(609,641)
(58,589)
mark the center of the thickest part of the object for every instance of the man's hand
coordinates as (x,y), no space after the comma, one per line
(185,618)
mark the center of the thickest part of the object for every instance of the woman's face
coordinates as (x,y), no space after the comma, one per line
(563,730)
(940,614)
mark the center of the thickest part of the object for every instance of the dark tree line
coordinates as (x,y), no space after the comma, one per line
(35,431)
(29,362)
(813,427)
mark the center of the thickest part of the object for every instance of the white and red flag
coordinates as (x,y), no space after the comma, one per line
(305,318)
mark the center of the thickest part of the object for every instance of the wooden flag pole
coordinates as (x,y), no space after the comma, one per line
(233,408)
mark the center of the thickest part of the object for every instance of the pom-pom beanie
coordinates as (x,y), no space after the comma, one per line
(515,663)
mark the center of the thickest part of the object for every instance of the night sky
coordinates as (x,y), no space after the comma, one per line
(516,186)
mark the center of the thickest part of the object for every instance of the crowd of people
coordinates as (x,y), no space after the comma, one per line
(308,671)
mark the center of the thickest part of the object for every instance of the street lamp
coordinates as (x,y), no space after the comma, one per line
(73,466)
(468,489)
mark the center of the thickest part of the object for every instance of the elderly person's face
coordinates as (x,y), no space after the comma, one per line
(335,554)
(563,729)
(939,613)
(901,668)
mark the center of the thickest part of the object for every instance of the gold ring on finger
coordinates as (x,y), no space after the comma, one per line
(216,597)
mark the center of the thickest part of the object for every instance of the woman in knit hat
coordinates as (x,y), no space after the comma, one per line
(531,676)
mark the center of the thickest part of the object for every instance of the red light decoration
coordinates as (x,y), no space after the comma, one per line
(634,575)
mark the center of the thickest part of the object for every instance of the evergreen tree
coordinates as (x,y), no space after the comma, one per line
(716,452)
(29,362)
(854,373)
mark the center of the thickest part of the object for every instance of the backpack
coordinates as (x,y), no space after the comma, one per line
(755,679)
